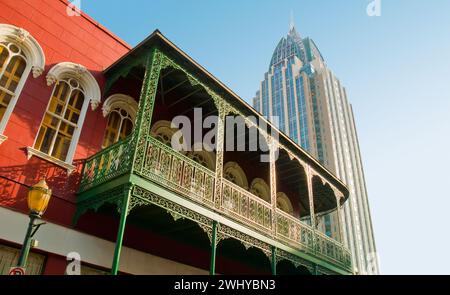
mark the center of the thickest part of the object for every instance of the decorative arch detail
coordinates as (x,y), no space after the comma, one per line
(284,203)
(121,101)
(163,131)
(203,157)
(234,173)
(261,189)
(65,70)
(33,51)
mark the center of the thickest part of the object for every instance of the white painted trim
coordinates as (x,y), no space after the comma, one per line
(3,138)
(35,59)
(65,70)
(33,51)
(33,152)
(62,240)
(122,101)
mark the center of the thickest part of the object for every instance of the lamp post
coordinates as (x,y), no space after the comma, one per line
(38,198)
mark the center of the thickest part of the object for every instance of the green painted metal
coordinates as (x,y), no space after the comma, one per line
(123,70)
(106,165)
(27,242)
(274,260)
(156,168)
(145,114)
(316,270)
(160,192)
(122,223)
(212,265)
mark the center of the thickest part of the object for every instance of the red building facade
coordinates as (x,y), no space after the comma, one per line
(57,110)
(63,37)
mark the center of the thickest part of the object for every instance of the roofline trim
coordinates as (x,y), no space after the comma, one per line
(157,33)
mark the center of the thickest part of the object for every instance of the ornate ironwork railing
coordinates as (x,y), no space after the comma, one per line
(173,170)
(331,249)
(294,231)
(109,163)
(178,172)
(243,205)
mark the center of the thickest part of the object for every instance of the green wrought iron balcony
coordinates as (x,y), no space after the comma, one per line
(210,187)
(191,180)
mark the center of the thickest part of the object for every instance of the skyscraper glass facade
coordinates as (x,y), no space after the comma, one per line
(312,108)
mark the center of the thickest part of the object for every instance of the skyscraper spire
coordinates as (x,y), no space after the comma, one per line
(291,21)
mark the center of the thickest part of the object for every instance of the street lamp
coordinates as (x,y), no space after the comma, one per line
(38,198)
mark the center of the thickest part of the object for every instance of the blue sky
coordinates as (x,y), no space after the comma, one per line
(396,68)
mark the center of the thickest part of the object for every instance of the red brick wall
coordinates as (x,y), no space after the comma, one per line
(63,38)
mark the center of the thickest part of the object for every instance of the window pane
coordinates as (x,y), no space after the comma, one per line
(74,107)
(62,144)
(76,99)
(127,126)
(5,98)
(13,73)
(4,53)
(111,129)
(45,138)
(58,101)
(10,78)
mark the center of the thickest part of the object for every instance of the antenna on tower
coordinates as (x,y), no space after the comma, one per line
(291,21)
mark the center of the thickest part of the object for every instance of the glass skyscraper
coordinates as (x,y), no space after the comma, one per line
(312,108)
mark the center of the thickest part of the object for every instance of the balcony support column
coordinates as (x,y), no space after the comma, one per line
(338,218)
(316,270)
(124,204)
(219,151)
(312,214)
(274,260)
(146,105)
(212,264)
(273,181)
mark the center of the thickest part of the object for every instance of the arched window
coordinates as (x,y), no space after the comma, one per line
(260,188)
(61,119)
(119,126)
(203,156)
(121,112)
(163,132)
(60,129)
(234,173)
(284,203)
(19,55)
(12,66)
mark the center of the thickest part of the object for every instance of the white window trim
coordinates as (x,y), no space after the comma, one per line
(121,101)
(34,152)
(3,138)
(78,72)
(35,59)
(92,94)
